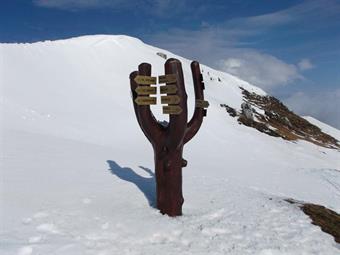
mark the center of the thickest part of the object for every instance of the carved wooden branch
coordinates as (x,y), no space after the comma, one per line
(148,123)
(197,119)
(178,123)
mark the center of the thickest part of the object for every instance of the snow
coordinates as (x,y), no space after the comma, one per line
(77,172)
(324,127)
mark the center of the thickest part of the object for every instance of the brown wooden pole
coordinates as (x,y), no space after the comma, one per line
(168,158)
(168,141)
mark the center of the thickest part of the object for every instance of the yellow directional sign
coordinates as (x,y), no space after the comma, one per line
(146,90)
(168,78)
(172,109)
(145,80)
(170,99)
(168,89)
(202,103)
(146,100)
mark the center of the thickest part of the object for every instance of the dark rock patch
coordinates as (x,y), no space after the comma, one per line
(279,121)
(326,219)
(232,112)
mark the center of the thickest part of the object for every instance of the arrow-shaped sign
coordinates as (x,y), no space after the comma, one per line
(172,109)
(145,80)
(168,89)
(170,99)
(202,103)
(146,90)
(146,100)
(168,78)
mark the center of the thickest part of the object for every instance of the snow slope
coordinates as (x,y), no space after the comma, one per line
(77,172)
(324,127)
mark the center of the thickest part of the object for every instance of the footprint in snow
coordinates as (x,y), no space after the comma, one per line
(49,228)
(35,239)
(214,231)
(26,221)
(215,215)
(237,237)
(40,215)
(86,201)
(26,250)
(105,225)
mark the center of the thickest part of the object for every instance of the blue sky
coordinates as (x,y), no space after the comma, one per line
(289,48)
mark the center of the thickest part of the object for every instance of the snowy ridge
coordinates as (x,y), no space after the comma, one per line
(106,62)
(324,127)
(77,172)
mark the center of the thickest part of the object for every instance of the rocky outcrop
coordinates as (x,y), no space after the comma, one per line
(275,119)
(247,111)
(232,112)
(327,219)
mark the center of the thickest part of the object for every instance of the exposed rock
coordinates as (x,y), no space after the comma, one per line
(286,120)
(262,127)
(162,55)
(247,111)
(277,120)
(286,123)
(232,112)
(326,219)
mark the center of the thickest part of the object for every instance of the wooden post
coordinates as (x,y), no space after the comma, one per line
(168,141)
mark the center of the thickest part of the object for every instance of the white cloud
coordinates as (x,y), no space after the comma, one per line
(324,106)
(305,12)
(260,69)
(213,45)
(232,64)
(223,46)
(219,48)
(305,64)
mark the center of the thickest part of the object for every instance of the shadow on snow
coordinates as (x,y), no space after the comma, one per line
(145,184)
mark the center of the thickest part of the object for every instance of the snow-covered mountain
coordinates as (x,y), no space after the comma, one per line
(77,171)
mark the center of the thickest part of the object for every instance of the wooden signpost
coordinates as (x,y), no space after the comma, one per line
(168,141)
(168,89)
(146,80)
(201,103)
(168,78)
(146,100)
(146,90)
(172,109)
(174,99)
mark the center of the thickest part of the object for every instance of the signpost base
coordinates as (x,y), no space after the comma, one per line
(169,181)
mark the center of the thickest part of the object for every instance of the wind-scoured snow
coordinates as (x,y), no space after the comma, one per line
(77,171)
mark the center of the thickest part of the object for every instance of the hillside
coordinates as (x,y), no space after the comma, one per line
(77,172)
(270,116)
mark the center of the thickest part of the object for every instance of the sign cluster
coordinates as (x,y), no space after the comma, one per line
(144,90)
